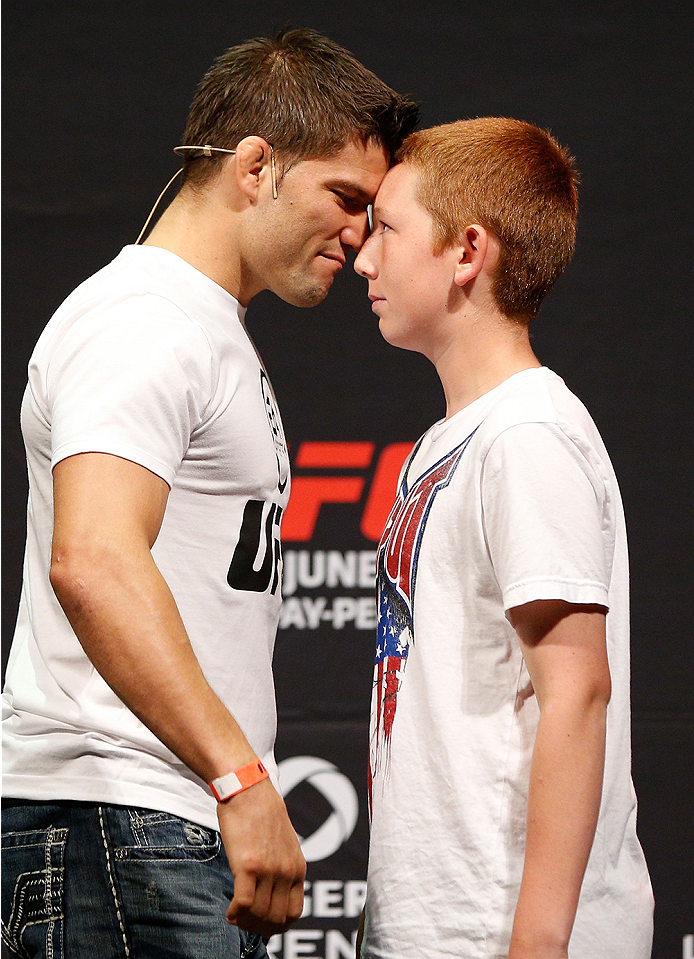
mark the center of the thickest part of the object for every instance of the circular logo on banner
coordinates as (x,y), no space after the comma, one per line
(336,789)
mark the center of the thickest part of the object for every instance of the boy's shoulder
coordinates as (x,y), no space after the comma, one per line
(536,396)
(531,409)
(525,397)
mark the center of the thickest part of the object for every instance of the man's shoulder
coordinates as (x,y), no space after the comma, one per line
(114,287)
(134,272)
(137,296)
(120,342)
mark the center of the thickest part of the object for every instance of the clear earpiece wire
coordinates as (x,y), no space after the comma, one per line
(206,150)
(152,211)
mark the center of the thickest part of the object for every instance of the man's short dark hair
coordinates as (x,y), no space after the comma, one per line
(303,93)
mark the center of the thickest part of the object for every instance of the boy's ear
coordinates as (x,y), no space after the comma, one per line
(473,251)
(253,156)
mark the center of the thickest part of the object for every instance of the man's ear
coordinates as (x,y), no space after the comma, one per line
(474,250)
(252,167)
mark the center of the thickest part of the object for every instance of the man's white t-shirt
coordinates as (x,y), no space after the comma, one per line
(512,499)
(149,360)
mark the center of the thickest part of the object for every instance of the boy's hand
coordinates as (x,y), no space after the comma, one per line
(564,646)
(525,950)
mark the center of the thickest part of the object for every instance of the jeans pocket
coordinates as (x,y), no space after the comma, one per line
(161,836)
(33,874)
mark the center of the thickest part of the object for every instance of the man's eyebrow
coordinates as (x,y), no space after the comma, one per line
(349,187)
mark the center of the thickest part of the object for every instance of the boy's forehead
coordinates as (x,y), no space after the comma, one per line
(397,189)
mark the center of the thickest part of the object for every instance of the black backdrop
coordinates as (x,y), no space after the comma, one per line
(95,98)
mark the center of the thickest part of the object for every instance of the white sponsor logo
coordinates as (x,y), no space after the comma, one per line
(303,612)
(355,569)
(337,789)
(328,569)
(318,943)
(324,899)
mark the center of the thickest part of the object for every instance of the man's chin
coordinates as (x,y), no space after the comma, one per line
(305,296)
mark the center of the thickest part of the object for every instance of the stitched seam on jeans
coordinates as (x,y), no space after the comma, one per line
(5,935)
(182,847)
(58,841)
(122,855)
(48,893)
(111,880)
(158,818)
(136,824)
(250,946)
(10,942)
(16,923)
(40,834)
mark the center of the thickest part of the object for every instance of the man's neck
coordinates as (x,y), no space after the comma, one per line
(488,350)
(201,236)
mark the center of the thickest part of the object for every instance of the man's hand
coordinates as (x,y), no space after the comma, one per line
(108,512)
(265,858)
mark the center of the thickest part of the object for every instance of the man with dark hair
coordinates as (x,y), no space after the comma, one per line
(503,815)
(287,90)
(140,670)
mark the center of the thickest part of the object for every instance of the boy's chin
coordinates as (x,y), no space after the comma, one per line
(397,337)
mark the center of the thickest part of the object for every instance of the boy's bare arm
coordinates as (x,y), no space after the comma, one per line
(565,651)
(108,512)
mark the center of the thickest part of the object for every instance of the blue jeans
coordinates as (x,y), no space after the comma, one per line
(81,881)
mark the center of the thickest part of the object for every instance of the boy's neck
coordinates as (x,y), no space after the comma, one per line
(488,350)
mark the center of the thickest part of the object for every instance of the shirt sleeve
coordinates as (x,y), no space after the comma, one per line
(546,517)
(132,380)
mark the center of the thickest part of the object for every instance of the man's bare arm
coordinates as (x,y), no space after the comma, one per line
(108,512)
(565,651)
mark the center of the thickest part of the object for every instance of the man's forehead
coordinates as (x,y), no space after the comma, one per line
(353,163)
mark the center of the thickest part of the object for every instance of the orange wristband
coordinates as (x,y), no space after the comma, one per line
(224,787)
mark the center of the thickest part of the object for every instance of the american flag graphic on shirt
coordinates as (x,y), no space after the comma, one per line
(398,554)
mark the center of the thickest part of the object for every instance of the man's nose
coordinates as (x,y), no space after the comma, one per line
(355,231)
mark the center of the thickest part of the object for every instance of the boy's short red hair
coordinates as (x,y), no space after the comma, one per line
(512,178)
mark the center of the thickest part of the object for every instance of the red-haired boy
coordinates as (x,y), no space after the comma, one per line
(503,814)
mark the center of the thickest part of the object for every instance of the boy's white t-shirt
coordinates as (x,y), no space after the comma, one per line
(512,499)
(149,360)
